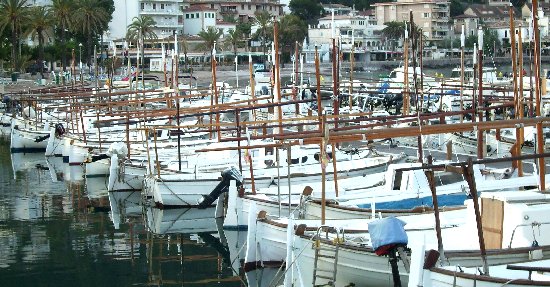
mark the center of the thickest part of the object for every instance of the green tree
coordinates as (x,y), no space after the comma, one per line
(393,32)
(63,13)
(457,8)
(229,18)
(490,41)
(263,20)
(307,10)
(14,14)
(209,38)
(244,28)
(234,40)
(90,19)
(139,30)
(292,29)
(40,22)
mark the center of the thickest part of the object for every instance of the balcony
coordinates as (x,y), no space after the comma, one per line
(161,12)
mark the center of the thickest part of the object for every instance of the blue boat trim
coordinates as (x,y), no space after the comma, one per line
(409,203)
(235,227)
(27,150)
(97,175)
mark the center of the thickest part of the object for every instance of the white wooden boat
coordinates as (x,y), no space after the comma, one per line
(187,189)
(508,243)
(28,140)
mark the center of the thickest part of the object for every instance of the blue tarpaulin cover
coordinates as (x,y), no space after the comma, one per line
(386,231)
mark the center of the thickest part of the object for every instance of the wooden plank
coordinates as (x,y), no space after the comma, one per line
(492,218)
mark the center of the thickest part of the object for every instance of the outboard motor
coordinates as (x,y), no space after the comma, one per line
(228,174)
(388,237)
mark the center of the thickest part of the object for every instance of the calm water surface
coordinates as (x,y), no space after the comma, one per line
(63,234)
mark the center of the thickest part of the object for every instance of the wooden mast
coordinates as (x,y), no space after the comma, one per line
(520,112)
(351,59)
(538,95)
(462,44)
(517,145)
(406,99)
(295,88)
(276,73)
(480,146)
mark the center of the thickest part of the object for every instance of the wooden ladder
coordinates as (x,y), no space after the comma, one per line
(326,254)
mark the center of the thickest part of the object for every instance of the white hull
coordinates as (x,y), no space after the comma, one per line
(22,140)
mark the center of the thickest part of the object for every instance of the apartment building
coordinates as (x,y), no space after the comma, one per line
(242,10)
(166,13)
(432,16)
(198,18)
(357,30)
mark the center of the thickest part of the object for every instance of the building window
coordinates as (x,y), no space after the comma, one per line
(162,6)
(197,16)
(211,6)
(270,8)
(154,6)
(142,6)
(426,15)
(258,7)
(242,6)
(249,7)
(186,16)
(192,16)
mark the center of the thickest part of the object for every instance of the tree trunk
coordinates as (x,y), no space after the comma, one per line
(14,46)
(88,49)
(63,52)
(41,52)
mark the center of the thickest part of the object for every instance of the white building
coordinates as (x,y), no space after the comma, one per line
(198,18)
(39,2)
(360,31)
(166,13)
(225,27)
(125,11)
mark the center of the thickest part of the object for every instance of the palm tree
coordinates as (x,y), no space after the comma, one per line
(63,13)
(263,20)
(141,29)
(39,25)
(13,13)
(234,40)
(209,37)
(394,31)
(184,45)
(90,20)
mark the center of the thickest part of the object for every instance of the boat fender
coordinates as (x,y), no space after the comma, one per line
(386,234)
(59,129)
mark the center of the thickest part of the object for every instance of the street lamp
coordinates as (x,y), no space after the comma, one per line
(80,60)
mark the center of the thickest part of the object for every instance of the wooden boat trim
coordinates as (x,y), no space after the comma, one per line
(484,278)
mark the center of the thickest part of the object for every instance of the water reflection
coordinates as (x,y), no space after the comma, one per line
(73,233)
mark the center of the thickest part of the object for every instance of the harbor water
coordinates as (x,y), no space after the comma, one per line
(61,234)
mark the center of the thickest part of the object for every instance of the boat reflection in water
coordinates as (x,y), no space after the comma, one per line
(27,161)
(125,205)
(185,239)
(181,220)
